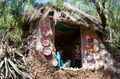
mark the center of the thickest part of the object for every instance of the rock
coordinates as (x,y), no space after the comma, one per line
(97,56)
(39,46)
(103,52)
(92,67)
(61,74)
(102,46)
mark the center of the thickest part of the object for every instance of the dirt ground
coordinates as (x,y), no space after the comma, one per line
(41,69)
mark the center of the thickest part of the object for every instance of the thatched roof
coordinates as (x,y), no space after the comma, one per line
(70,16)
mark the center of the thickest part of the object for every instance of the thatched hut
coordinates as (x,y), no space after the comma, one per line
(51,28)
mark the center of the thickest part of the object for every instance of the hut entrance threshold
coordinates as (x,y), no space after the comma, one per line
(68,42)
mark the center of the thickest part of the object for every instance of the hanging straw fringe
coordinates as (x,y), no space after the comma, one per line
(46,14)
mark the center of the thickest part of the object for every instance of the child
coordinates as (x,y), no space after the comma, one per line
(57,56)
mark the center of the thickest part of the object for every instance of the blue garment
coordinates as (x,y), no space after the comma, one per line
(59,59)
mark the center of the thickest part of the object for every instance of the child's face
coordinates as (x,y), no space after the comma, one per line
(77,46)
(54,49)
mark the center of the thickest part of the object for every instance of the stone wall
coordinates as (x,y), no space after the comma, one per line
(101,57)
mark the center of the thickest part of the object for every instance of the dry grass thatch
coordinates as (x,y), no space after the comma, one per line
(70,16)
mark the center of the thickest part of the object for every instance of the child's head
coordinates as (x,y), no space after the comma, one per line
(77,45)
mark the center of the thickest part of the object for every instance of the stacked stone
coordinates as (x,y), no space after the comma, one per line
(102,57)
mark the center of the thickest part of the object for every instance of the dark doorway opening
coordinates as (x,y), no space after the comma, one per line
(68,40)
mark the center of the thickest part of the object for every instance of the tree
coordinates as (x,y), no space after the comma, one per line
(12,17)
(108,11)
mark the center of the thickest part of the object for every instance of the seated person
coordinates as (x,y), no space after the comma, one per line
(59,59)
(57,56)
(77,56)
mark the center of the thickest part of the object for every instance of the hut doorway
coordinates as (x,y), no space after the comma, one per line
(68,42)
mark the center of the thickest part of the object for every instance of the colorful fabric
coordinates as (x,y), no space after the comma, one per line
(46,31)
(45,42)
(59,59)
(89,49)
(89,57)
(88,37)
(60,62)
(47,51)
